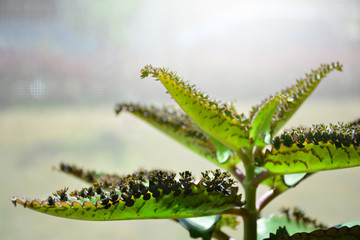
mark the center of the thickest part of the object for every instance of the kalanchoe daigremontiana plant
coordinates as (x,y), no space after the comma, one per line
(217,132)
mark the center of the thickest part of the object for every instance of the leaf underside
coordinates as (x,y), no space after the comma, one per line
(218,120)
(280,185)
(201,226)
(210,226)
(316,149)
(143,195)
(179,127)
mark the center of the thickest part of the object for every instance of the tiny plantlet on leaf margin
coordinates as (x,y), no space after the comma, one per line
(217,132)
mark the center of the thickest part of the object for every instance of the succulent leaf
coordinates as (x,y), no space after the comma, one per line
(218,120)
(260,131)
(181,128)
(143,195)
(298,93)
(316,149)
(87,175)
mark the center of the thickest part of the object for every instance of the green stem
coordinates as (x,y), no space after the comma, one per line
(250,221)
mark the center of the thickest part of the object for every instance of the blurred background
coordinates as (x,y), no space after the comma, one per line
(64,64)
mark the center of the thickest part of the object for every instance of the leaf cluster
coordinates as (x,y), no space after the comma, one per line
(217,132)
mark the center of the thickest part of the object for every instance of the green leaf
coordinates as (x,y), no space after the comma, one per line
(207,227)
(316,149)
(261,122)
(294,179)
(202,227)
(270,225)
(86,175)
(143,195)
(292,221)
(298,93)
(334,233)
(281,183)
(228,220)
(218,120)
(280,232)
(349,224)
(223,153)
(182,129)
(177,126)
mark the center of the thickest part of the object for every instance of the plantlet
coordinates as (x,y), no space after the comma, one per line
(217,132)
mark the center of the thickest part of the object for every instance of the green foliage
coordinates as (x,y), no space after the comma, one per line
(338,233)
(181,128)
(260,131)
(143,195)
(316,149)
(297,94)
(290,222)
(200,227)
(218,120)
(218,133)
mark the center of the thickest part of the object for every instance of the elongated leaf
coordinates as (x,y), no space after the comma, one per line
(143,195)
(179,127)
(87,175)
(261,122)
(196,226)
(298,93)
(218,120)
(316,149)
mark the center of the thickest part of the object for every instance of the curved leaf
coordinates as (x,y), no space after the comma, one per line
(261,122)
(143,195)
(209,226)
(200,226)
(179,127)
(298,93)
(218,120)
(281,183)
(316,149)
(87,175)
